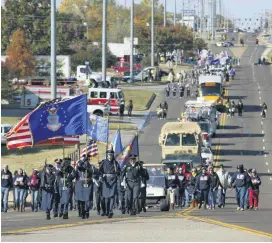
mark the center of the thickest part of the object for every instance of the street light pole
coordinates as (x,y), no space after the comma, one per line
(152,34)
(175,12)
(104,41)
(164,14)
(53,51)
(132,41)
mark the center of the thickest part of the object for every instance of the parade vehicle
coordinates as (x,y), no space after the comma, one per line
(211,89)
(180,137)
(207,156)
(201,110)
(102,96)
(156,187)
(206,133)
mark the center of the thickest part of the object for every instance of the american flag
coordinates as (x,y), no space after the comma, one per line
(91,150)
(20,136)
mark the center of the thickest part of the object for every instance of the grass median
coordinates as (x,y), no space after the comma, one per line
(34,158)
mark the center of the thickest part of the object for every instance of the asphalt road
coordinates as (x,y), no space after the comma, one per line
(248,141)
(240,142)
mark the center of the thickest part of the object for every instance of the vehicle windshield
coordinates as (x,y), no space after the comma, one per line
(211,90)
(121,95)
(205,150)
(154,171)
(182,158)
(6,129)
(173,139)
(156,181)
(204,127)
(188,140)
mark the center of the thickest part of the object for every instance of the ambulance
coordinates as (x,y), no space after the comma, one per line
(111,96)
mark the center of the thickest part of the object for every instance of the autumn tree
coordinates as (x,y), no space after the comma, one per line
(20,61)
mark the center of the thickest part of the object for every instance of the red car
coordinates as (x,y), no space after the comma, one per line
(121,67)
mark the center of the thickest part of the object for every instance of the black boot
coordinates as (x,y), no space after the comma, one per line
(87,215)
(65,216)
(60,215)
(55,215)
(103,214)
(48,216)
(110,215)
(123,211)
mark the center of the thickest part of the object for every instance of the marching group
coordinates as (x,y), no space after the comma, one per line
(85,187)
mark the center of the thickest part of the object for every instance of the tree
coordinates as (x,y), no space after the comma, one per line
(7,89)
(20,61)
(92,53)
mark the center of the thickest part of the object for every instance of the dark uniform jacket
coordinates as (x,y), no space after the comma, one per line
(241,179)
(255,182)
(20,178)
(6,179)
(172,181)
(133,173)
(214,181)
(203,182)
(182,180)
(49,182)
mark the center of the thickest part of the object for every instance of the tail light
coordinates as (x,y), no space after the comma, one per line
(205,136)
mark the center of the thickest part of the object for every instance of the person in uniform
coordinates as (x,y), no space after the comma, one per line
(49,189)
(182,182)
(174,90)
(109,170)
(97,189)
(132,174)
(56,202)
(181,91)
(84,186)
(144,179)
(65,187)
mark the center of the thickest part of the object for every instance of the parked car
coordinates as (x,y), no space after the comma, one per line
(5,128)
(228,44)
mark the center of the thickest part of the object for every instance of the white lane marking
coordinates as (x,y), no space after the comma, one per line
(265,155)
(263,147)
(262,131)
(260,97)
(263,140)
(268,171)
(270,178)
(259,92)
(266,163)
(262,122)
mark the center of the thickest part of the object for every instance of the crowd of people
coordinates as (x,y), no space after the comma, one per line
(80,186)
(83,187)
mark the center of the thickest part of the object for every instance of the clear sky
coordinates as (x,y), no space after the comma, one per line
(238,8)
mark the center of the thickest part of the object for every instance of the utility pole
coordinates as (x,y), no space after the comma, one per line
(152,34)
(164,14)
(175,12)
(214,19)
(104,41)
(220,12)
(53,51)
(182,12)
(132,41)
(227,18)
(202,17)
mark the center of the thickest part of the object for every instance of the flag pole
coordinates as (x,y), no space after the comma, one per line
(86,141)
(138,146)
(107,144)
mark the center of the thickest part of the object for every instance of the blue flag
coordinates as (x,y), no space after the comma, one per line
(98,128)
(135,146)
(60,118)
(117,143)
